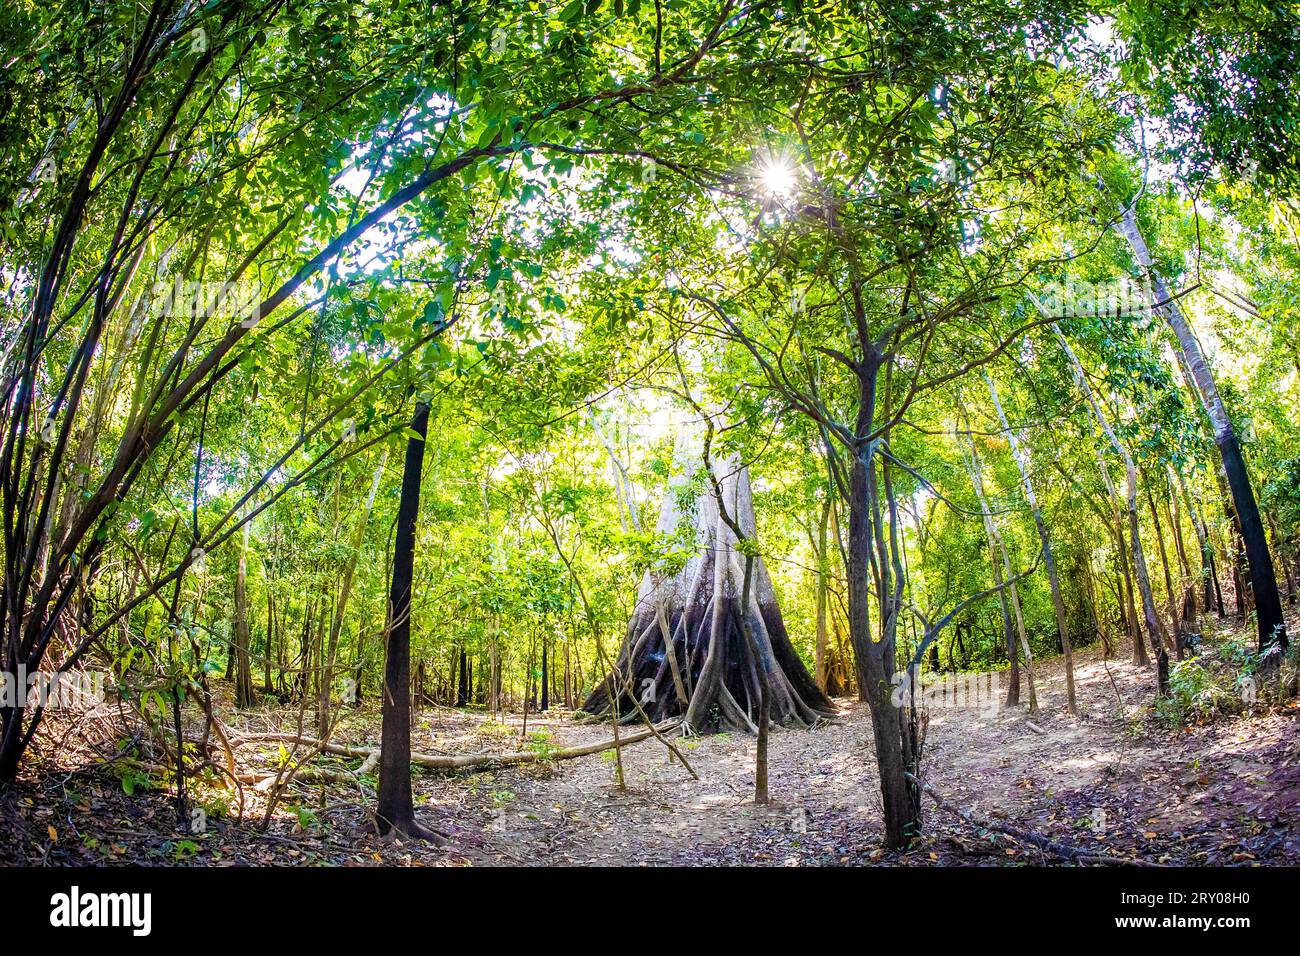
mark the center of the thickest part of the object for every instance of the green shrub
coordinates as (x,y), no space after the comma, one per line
(1195,693)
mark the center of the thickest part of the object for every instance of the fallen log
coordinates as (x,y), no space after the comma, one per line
(460,761)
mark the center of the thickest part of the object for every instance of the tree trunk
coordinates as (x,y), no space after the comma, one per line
(268,646)
(546,676)
(1263,578)
(823,569)
(462,679)
(1212,595)
(705,611)
(1175,619)
(244,696)
(893,728)
(494,677)
(396,810)
(1001,562)
(1174,515)
(1131,620)
(345,592)
(1049,560)
(764,694)
(1155,630)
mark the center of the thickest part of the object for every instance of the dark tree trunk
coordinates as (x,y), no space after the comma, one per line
(1263,578)
(546,676)
(462,682)
(244,696)
(396,808)
(897,751)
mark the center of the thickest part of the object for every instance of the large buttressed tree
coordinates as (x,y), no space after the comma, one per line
(685,653)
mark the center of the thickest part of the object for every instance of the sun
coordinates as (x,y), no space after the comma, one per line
(777,176)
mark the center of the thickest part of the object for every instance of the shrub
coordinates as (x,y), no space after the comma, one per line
(1195,693)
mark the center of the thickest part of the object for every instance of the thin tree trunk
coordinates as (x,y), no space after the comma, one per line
(460,677)
(345,592)
(546,675)
(1263,578)
(875,659)
(244,696)
(396,809)
(1209,567)
(268,649)
(823,569)
(1175,619)
(764,693)
(1131,620)
(1049,560)
(1155,630)
(998,548)
(1174,515)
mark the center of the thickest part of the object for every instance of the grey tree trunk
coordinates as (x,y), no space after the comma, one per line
(1049,561)
(1155,630)
(703,609)
(1263,577)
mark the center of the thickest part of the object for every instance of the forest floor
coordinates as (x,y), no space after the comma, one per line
(1113,781)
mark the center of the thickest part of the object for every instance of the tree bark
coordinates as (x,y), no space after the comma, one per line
(1263,577)
(396,809)
(1155,631)
(1049,560)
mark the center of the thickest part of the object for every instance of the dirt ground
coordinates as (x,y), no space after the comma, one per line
(1113,781)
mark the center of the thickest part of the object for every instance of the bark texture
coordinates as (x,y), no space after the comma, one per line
(1263,577)
(685,652)
(396,809)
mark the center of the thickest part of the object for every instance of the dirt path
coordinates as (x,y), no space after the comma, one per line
(1206,796)
(1108,780)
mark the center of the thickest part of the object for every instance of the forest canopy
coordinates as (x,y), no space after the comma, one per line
(685,366)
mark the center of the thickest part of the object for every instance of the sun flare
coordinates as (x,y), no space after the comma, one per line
(777,176)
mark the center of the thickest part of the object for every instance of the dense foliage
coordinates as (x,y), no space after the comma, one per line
(240,240)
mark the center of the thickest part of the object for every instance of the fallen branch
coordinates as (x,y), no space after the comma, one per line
(1064,850)
(461,761)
